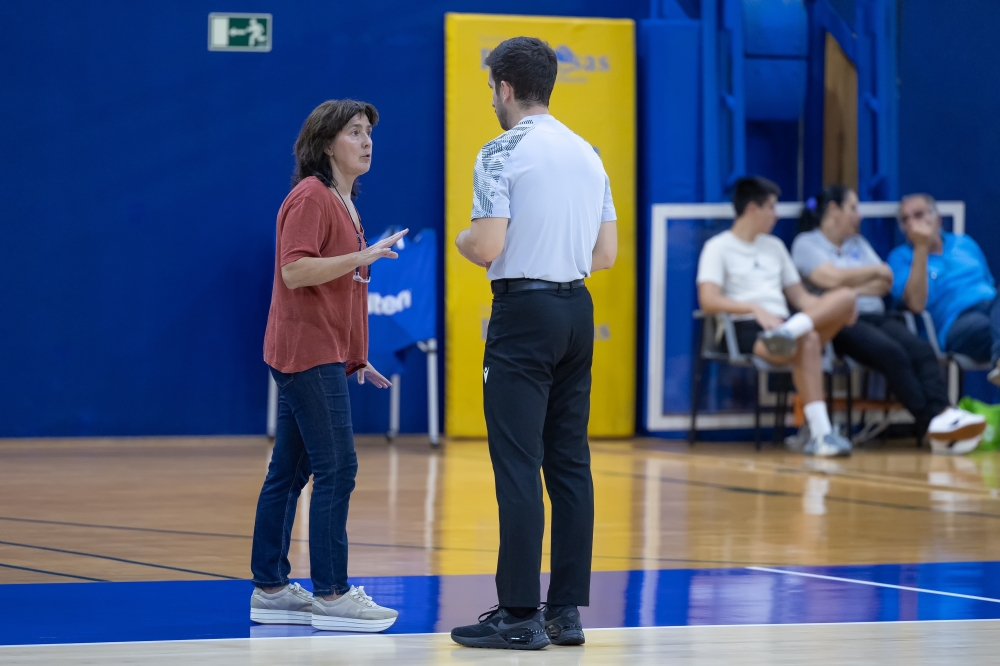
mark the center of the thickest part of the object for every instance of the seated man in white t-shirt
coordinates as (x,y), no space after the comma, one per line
(749,274)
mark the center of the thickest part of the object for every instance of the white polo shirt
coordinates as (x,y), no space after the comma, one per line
(551,185)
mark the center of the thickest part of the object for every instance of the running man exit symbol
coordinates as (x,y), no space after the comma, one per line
(239,32)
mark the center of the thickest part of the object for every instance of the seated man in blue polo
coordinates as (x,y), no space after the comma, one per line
(947,275)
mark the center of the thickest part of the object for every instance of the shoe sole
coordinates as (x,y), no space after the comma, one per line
(267,616)
(941,447)
(966,432)
(827,452)
(779,346)
(496,643)
(331,623)
(566,637)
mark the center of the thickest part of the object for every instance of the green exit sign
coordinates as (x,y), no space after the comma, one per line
(239,32)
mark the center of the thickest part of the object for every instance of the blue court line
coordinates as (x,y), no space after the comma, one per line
(53,573)
(176,610)
(116,559)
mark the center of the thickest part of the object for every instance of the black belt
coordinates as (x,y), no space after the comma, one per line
(525,284)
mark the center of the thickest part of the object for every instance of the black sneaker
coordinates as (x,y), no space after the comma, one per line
(499,629)
(563,626)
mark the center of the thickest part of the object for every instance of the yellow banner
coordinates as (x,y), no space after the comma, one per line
(595,97)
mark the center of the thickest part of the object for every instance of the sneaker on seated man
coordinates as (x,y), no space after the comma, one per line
(948,276)
(749,274)
(830,252)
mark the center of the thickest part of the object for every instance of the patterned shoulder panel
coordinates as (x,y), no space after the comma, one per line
(490,163)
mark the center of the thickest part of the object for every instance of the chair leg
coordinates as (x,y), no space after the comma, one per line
(779,416)
(865,394)
(756,412)
(828,379)
(850,403)
(695,397)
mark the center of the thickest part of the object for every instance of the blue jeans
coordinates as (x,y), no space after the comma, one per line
(976,332)
(314,436)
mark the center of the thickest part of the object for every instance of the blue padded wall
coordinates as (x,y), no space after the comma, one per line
(669,159)
(775,42)
(140,182)
(949,103)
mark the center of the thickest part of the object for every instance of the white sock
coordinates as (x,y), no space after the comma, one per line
(818,418)
(797,325)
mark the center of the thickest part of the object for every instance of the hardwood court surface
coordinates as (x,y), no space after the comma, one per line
(182,509)
(971,643)
(713,535)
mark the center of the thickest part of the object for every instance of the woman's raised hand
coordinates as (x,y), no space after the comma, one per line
(381,249)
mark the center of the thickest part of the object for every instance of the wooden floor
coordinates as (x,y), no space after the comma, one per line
(968,643)
(182,509)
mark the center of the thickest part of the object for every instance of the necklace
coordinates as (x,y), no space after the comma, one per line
(362,240)
(346,207)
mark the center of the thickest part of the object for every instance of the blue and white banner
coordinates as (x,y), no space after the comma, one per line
(402,301)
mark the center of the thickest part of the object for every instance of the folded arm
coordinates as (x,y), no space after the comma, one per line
(828,276)
(875,287)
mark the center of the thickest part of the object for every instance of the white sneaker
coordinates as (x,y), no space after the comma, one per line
(289,605)
(355,611)
(994,375)
(955,424)
(831,445)
(954,447)
(795,443)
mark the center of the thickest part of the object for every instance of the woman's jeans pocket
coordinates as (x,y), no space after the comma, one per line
(282,379)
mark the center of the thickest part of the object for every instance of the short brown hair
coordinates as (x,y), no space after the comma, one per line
(320,128)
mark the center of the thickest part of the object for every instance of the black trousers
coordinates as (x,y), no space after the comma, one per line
(912,371)
(536,396)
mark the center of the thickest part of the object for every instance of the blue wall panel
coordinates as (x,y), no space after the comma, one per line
(669,159)
(948,109)
(140,180)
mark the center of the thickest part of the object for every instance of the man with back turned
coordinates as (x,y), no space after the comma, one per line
(542,220)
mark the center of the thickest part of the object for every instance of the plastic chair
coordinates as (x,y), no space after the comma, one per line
(962,362)
(708,351)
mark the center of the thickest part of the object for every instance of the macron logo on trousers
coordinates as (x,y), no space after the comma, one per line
(486,374)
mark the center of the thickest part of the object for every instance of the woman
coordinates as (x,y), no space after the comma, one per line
(831,252)
(317,336)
